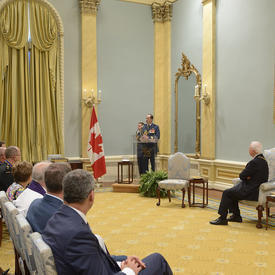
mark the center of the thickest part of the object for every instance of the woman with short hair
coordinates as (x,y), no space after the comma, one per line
(22,172)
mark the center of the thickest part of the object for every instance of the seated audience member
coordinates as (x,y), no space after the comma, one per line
(76,249)
(22,172)
(2,155)
(13,155)
(35,190)
(41,210)
(254,174)
(3,144)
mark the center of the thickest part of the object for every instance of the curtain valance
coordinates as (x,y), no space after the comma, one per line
(14,24)
(43,27)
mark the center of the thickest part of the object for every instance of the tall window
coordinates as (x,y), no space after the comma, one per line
(31,88)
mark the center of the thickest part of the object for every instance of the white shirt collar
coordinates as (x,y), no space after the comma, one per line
(81,214)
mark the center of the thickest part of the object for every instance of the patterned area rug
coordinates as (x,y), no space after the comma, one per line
(247,212)
(131,224)
(134,225)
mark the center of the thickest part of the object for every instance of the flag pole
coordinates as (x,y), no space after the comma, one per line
(97,184)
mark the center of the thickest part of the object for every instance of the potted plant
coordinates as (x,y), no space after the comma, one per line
(149,183)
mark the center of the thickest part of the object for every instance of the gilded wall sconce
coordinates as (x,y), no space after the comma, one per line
(90,98)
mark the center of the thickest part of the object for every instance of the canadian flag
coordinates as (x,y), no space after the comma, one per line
(95,147)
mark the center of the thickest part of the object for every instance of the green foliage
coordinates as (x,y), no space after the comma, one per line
(149,182)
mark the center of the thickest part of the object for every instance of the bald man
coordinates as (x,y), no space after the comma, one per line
(254,174)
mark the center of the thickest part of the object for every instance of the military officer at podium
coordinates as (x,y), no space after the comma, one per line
(151,135)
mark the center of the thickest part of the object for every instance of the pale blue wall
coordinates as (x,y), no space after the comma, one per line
(125,33)
(70,15)
(244,65)
(245,70)
(186,37)
(245,76)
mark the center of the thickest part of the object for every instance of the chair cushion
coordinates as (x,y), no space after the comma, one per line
(173,184)
(250,203)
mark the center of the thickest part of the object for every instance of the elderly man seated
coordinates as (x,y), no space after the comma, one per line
(254,174)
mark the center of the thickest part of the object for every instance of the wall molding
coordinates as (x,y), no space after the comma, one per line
(219,172)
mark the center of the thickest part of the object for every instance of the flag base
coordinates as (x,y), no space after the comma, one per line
(97,185)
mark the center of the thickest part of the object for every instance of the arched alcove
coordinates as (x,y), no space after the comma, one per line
(56,83)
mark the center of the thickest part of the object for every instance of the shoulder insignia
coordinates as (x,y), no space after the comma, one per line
(262,157)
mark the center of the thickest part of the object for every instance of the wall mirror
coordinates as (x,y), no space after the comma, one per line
(187,109)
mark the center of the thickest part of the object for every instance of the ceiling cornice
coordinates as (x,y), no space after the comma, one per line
(148,2)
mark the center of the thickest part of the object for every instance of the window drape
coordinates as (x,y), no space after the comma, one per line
(30,84)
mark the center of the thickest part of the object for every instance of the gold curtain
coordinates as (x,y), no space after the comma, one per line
(14,87)
(30,95)
(45,82)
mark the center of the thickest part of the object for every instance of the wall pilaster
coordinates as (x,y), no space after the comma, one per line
(88,9)
(162,15)
(208,112)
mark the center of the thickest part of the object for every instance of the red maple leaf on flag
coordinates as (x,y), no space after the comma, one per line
(95,147)
(96,143)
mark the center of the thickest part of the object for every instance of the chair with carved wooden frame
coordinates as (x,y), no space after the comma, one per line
(178,176)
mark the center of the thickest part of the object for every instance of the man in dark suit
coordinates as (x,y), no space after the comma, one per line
(140,156)
(41,210)
(151,135)
(76,249)
(254,174)
(13,155)
(2,155)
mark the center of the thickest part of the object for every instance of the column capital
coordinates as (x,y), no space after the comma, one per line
(162,12)
(89,6)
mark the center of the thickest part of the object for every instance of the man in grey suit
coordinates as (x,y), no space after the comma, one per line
(41,210)
(76,249)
